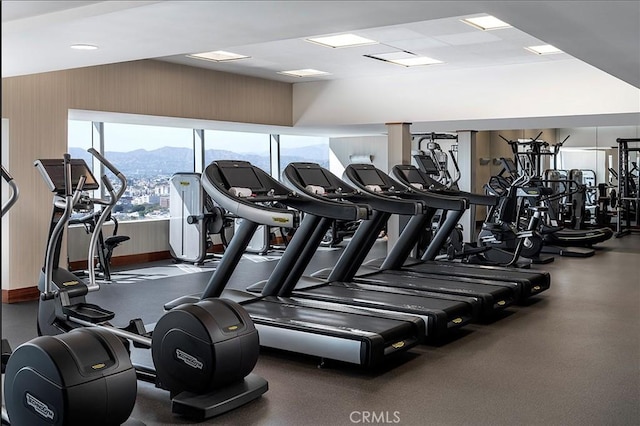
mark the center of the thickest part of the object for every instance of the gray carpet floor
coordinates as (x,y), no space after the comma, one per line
(571,357)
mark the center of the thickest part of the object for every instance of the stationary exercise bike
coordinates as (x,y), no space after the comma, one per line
(203,353)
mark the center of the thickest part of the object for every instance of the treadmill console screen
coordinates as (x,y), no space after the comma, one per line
(413,176)
(314,176)
(427,164)
(53,172)
(242,177)
(370,177)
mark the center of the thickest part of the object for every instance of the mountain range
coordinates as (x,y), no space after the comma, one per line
(165,161)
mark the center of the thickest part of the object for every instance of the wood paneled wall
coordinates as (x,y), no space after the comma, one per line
(37,109)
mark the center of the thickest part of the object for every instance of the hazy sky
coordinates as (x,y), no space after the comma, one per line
(129,137)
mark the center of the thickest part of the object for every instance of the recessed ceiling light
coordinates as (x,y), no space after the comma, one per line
(342,40)
(218,56)
(416,61)
(308,72)
(544,49)
(83,46)
(486,23)
(406,59)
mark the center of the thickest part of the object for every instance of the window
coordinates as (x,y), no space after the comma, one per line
(304,148)
(80,140)
(147,156)
(251,147)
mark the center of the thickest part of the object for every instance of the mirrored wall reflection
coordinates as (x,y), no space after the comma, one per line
(586,159)
(628,196)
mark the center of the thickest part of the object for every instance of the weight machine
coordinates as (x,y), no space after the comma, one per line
(193,220)
(628,218)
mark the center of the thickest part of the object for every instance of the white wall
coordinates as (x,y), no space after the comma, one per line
(342,148)
(600,137)
(563,89)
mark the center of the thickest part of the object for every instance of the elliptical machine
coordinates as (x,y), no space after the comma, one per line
(502,228)
(82,377)
(203,353)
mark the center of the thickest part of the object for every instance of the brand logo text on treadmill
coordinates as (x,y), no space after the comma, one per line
(191,361)
(378,417)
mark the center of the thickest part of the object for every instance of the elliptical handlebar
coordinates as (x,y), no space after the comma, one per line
(113,169)
(70,197)
(15,193)
(105,213)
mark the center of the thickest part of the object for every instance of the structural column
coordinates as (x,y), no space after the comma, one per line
(398,152)
(467,163)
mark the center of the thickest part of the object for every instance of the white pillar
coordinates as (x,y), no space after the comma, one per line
(467,162)
(398,152)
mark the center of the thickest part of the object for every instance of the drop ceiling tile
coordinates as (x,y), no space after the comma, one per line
(388,34)
(418,44)
(468,38)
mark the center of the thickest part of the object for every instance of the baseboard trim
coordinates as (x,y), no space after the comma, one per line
(131,259)
(24,294)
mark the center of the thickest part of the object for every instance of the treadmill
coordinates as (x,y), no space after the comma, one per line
(529,282)
(318,184)
(441,313)
(347,334)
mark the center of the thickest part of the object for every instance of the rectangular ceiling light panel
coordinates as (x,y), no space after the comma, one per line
(544,49)
(487,22)
(308,72)
(218,56)
(342,40)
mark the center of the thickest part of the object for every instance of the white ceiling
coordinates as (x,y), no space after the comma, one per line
(36,35)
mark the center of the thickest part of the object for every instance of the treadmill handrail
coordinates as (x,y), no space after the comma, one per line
(474,199)
(429,200)
(247,207)
(348,192)
(339,206)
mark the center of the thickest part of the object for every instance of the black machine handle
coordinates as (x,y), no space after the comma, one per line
(430,200)
(14,191)
(69,197)
(344,204)
(106,213)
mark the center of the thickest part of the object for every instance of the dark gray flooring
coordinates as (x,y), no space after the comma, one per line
(570,358)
